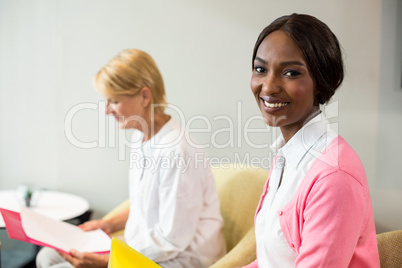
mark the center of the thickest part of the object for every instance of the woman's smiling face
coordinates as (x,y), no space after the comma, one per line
(129,111)
(282,84)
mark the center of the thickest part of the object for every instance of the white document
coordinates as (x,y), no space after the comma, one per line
(62,235)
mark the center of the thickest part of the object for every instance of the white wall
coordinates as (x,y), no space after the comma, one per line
(387,195)
(51,49)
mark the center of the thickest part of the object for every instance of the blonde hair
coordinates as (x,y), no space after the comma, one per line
(129,72)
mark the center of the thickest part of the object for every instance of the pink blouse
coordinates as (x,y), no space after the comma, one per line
(329,222)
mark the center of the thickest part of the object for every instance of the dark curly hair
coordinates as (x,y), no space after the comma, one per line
(320,47)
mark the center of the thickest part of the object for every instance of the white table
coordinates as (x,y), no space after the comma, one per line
(56,205)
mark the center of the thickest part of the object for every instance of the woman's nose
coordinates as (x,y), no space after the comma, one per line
(271,84)
(109,108)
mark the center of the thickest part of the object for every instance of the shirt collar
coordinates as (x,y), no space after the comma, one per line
(296,148)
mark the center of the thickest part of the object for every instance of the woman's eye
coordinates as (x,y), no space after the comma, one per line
(259,69)
(291,73)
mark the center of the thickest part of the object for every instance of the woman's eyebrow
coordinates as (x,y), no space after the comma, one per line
(287,63)
(283,64)
(260,60)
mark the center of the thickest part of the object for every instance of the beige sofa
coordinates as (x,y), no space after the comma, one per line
(239,191)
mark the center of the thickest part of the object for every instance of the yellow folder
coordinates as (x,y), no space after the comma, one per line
(122,256)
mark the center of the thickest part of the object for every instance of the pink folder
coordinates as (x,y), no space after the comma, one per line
(16,230)
(12,220)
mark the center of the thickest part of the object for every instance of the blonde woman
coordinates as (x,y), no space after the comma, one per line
(174,217)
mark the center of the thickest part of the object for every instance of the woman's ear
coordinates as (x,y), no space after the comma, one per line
(146,96)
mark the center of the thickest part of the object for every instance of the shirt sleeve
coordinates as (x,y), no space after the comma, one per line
(180,204)
(333,219)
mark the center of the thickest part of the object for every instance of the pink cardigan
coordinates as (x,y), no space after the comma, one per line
(329,222)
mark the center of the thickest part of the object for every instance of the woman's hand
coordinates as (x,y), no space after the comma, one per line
(86,259)
(96,224)
(109,225)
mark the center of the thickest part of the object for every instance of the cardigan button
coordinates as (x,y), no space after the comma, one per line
(280,213)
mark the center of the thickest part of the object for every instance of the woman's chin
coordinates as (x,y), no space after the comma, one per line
(270,121)
(123,126)
(275,121)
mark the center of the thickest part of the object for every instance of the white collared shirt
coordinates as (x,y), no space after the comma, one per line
(296,157)
(174,204)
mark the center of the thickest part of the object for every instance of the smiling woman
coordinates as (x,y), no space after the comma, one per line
(316,209)
(133,86)
(282,84)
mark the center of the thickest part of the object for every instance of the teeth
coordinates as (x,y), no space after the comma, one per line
(275,105)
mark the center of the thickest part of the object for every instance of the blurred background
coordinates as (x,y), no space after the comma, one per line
(54,135)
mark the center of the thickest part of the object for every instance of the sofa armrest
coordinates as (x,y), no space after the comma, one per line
(389,248)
